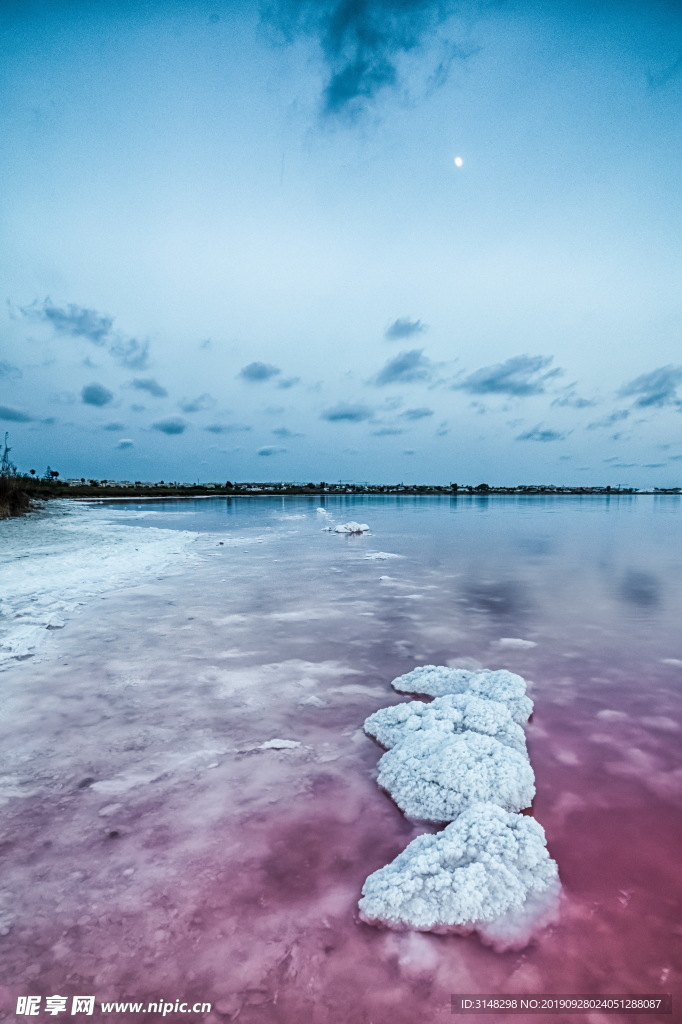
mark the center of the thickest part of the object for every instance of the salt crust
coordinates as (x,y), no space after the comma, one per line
(351,527)
(454,713)
(500,685)
(433,776)
(59,558)
(489,871)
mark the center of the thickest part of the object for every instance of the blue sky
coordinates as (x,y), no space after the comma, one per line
(235,244)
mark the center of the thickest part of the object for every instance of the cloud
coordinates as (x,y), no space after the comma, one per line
(172,425)
(285,432)
(416,414)
(537,434)
(117,427)
(126,442)
(288,382)
(405,368)
(657,388)
(10,372)
(198,404)
(569,398)
(256,372)
(386,432)
(14,415)
(362,42)
(226,428)
(96,394)
(346,411)
(72,319)
(519,376)
(403,327)
(607,421)
(80,322)
(150,385)
(271,450)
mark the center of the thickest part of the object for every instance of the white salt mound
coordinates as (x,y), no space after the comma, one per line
(434,776)
(278,744)
(454,713)
(351,527)
(489,871)
(501,685)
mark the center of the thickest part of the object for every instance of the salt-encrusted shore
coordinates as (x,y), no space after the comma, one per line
(56,559)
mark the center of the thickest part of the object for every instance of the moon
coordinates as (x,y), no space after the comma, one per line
(458,161)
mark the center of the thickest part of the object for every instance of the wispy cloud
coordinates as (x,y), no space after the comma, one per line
(607,421)
(403,327)
(226,428)
(568,398)
(348,412)
(14,415)
(257,372)
(288,382)
(538,434)
(657,388)
(98,328)
(416,414)
(285,432)
(405,368)
(198,404)
(387,431)
(362,42)
(271,450)
(114,427)
(149,384)
(125,442)
(519,376)
(170,426)
(9,372)
(96,394)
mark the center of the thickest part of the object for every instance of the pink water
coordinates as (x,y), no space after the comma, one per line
(151,851)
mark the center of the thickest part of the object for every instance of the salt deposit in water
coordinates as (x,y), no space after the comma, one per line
(433,776)
(489,871)
(437,680)
(454,713)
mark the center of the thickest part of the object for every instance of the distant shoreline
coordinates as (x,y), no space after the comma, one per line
(26,492)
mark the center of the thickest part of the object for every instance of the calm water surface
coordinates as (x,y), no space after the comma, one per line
(162,853)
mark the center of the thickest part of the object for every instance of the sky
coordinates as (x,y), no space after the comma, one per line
(235,243)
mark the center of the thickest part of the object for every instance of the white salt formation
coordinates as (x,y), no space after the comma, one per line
(454,713)
(434,776)
(463,758)
(351,527)
(501,685)
(489,871)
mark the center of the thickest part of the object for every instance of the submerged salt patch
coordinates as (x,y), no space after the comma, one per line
(489,871)
(451,714)
(499,685)
(434,776)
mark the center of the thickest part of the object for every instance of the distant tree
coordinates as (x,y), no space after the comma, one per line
(228,483)
(47,475)
(32,472)
(94,483)
(82,479)
(482,487)
(54,473)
